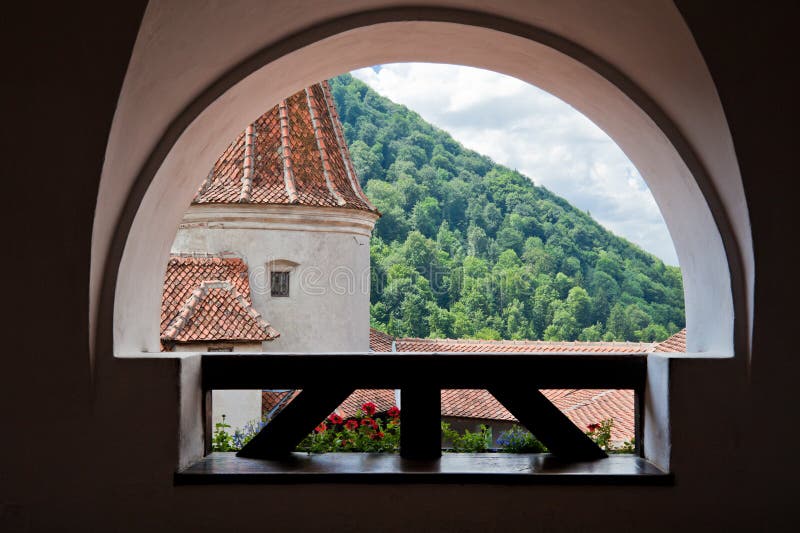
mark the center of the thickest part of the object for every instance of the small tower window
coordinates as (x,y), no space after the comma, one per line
(279,284)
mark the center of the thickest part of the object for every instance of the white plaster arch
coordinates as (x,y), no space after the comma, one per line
(653,96)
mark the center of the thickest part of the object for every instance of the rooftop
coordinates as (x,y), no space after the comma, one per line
(208,299)
(294,154)
(581,406)
(469,345)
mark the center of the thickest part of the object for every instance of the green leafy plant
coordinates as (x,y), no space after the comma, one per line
(222,441)
(519,440)
(479,441)
(365,432)
(600,433)
(467,248)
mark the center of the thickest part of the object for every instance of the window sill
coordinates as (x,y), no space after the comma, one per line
(472,468)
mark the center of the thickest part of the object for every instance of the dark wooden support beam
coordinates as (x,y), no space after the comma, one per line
(282,435)
(393,370)
(208,421)
(638,421)
(514,379)
(547,423)
(420,419)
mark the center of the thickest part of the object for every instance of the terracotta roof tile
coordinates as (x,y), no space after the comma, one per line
(473,403)
(468,345)
(380,341)
(674,344)
(274,400)
(581,406)
(298,154)
(382,398)
(208,299)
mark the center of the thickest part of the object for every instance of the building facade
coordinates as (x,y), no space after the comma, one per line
(284,204)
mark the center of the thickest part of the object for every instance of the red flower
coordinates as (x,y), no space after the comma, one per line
(369,408)
(377,436)
(394,412)
(335,419)
(321,428)
(369,422)
(593,427)
(351,424)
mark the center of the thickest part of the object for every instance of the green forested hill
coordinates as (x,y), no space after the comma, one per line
(470,248)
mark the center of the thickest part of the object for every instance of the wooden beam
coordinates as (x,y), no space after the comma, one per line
(208,421)
(442,370)
(421,422)
(547,423)
(299,418)
(638,420)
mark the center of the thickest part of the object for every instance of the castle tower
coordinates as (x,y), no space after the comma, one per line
(281,224)
(285,198)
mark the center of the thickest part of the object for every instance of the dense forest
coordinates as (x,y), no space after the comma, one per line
(467,248)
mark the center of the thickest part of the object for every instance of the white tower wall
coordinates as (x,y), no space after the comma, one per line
(326,251)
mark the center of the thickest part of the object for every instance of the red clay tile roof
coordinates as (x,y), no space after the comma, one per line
(382,398)
(581,406)
(589,406)
(380,341)
(295,153)
(276,400)
(473,403)
(468,345)
(674,344)
(208,299)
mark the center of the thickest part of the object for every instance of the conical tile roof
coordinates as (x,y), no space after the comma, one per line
(295,153)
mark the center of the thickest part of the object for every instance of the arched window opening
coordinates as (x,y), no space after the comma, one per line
(283,188)
(702,233)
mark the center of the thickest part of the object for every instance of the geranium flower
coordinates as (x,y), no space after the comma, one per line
(393,412)
(335,419)
(369,408)
(593,427)
(377,436)
(351,424)
(369,422)
(321,428)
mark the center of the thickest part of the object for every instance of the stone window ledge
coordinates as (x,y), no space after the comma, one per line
(489,468)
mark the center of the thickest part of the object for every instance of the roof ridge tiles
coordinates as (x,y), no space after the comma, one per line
(220,287)
(276,165)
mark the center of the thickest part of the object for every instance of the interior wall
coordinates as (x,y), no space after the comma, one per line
(102,459)
(676,154)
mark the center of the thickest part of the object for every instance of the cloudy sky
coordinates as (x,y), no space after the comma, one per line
(525,128)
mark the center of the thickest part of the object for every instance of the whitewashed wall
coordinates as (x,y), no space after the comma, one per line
(326,251)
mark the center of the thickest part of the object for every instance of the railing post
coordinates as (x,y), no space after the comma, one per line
(208,421)
(638,420)
(420,418)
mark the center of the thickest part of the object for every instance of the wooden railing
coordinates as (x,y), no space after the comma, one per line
(514,379)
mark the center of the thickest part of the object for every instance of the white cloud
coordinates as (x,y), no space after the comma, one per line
(523,127)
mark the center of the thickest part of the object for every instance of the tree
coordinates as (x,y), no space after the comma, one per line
(580,305)
(618,327)
(366,162)
(419,252)
(477,245)
(543,299)
(426,216)
(593,333)
(477,241)
(510,239)
(564,327)
(653,333)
